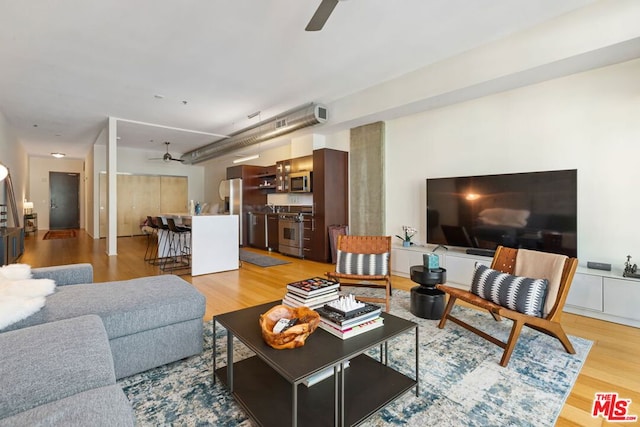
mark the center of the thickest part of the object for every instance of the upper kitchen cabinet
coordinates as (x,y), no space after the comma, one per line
(330,199)
(283,168)
(302,164)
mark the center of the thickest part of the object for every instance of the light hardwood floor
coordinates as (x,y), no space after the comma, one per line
(613,365)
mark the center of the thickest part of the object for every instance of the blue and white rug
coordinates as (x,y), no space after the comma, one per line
(461,382)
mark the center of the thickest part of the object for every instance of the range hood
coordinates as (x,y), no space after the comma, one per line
(287,122)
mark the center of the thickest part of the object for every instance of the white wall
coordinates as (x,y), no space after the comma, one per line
(137,161)
(589,121)
(13,156)
(39,168)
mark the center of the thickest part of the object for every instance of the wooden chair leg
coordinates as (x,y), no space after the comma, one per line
(511,343)
(447,310)
(555,330)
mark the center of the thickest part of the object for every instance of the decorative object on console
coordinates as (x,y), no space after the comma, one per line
(599,265)
(292,337)
(630,270)
(431,261)
(409,232)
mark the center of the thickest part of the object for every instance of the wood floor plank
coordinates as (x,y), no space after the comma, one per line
(613,364)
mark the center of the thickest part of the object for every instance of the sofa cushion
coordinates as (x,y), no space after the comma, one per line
(104,406)
(126,307)
(521,294)
(44,363)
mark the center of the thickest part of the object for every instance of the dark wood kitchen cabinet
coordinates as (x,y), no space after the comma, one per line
(272,232)
(330,201)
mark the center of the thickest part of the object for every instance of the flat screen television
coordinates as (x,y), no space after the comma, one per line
(533,210)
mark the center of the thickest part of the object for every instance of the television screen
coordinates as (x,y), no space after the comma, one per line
(534,210)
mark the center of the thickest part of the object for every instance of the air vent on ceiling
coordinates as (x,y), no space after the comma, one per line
(287,122)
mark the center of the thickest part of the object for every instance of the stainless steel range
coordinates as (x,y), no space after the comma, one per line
(290,234)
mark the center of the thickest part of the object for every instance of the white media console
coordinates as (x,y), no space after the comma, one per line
(604,295)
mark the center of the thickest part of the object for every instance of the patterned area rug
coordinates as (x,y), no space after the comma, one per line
(260,260)
(59,234)
(461,383)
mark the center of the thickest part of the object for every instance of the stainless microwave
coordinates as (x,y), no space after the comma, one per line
(300,182)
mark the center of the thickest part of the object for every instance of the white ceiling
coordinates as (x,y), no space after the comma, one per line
(67,65)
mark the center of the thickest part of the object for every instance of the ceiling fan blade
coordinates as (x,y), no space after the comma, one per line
(322,14)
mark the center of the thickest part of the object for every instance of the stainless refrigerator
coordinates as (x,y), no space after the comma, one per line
(231,193)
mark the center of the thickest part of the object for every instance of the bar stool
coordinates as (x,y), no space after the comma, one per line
(151,253)
(163,232)
(179,245)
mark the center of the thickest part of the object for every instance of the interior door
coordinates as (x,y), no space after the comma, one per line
(64,208)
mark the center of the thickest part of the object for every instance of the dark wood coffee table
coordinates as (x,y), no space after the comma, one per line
(269,385)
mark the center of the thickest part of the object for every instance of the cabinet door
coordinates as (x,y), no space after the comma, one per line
(173,194)
(145,200)
(308,249)
(460,269)
(586,292)
(621,297)
(403,259)
(125,191)
(272,232)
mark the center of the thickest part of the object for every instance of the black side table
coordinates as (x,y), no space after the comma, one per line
(427,302)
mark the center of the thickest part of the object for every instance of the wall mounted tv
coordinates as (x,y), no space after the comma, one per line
(533,210)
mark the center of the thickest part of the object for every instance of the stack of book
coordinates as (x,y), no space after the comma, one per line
(313,293)
(346,318)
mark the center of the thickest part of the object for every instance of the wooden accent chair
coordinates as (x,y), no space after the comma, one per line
(347,275)
(504,260)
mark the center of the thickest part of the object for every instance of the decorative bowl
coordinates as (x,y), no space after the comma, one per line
(296,335)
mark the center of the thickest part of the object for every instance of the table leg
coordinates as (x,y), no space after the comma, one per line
(341,394)
(294,405)
(417,364)
(230,360)
(215,348)
(336,401)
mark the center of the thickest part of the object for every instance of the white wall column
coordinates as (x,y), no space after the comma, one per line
(112,192)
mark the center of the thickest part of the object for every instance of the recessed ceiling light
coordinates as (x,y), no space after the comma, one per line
(58,155)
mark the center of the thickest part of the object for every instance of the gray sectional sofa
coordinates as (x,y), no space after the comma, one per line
(60,364)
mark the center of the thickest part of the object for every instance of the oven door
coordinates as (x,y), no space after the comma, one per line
(290,237)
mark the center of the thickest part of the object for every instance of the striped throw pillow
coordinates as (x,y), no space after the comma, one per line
(363,264)
(521,294)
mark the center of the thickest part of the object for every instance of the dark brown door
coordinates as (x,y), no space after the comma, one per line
(64,209)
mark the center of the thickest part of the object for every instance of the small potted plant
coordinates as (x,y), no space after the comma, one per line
(409,232)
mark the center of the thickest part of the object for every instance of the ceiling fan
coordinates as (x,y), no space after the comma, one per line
(167,156)
(322,14)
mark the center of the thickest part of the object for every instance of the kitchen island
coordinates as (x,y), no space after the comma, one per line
(215,244)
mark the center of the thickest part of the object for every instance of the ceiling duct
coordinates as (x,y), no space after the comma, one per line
(287,122)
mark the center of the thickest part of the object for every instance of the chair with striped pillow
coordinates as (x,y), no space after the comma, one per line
(525,286)
(364,261)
